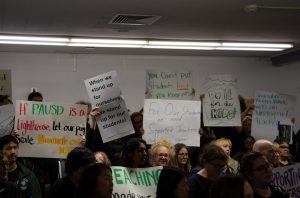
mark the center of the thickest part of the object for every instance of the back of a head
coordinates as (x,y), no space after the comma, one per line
(260,145)
(228,186)
(167,182)
(77,158)
(7,139)
(212,153)
(34,94)
(247,163)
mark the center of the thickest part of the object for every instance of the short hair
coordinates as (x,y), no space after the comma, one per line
(34,94)
(77,158)
(7,139)
(88,181)
(247,163)
(260,145)
(212,153)
(228,186)
(168,181)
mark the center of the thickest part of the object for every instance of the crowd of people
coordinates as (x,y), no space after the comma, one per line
(229,163)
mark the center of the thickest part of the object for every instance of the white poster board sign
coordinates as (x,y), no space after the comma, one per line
(177,120)
(7,114)
(273,111)
(175,85)
(135,182)
(49,130)
(288,178)
(5,82)
(221,106)
(104,92)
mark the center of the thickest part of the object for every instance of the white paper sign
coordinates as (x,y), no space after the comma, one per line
(49,130)
(135,182)
(272,111)
(175,85)
(221,106)
(7,114)
(176,120)
(105,93)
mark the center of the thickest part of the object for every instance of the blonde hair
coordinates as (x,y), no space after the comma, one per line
(106,159)
(165,143)
(220,141)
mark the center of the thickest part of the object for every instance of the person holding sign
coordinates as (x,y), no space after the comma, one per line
(258,172)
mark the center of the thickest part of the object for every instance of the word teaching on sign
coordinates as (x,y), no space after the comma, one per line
(49,130)
(169,85)
(177,120)
(221,103)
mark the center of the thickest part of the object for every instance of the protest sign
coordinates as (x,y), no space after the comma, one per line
(272,115)
(288,178)
(221,106)
(104,92)
(176,120)
(169,85)
(5,82)
(7,113)
(49,130)
(135,182)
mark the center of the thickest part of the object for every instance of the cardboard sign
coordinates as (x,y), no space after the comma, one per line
(7,114)
(135,182)
(272,114)
(176,120)
(49,130)
(221,106)
(105,93)
(175,85)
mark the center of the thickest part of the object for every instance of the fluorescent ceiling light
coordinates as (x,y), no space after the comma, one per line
(178,47)
(185,43)
(33,38)
(103,45)
(32,43)
(248,49)
(109,41)
(261,45)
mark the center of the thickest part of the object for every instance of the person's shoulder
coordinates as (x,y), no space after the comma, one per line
(279,192)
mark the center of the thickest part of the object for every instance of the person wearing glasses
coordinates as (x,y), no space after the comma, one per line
(182,159)
(257,170)
(162,153)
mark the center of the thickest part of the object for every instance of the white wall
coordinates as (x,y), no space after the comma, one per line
(60,76)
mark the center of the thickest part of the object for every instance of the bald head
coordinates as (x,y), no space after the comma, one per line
(266,148)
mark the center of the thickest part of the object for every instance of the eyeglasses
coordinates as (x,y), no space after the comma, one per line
(263,167)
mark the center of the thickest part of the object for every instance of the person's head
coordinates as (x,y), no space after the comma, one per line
(232,186)
(135,153)
(96,181)
(9,148)
(5,99)
(35,96)
(172,183)
(256,169)
(77,160)
(225,144)
(137,122)
(213,160)
(266,148)
(247,143)
(162,152)
(283,149)
(102,158)
(182,156)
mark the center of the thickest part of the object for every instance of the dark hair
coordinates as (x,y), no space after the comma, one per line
(88,181)
(7,139)
(3,98)
(77,158)
(247,163)
(168,181)
(129,148)
(244,139)
(212,153)
(34,94)
(228,186)
(178,147)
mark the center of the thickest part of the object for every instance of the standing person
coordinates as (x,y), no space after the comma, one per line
(245,147)
(267,148)
(172,183)
(16,180)
(162,153)
(285,157)
(137,122)
(258,172)
(213,162)
(96,182)
(182,159)
(77,160)
(102,158)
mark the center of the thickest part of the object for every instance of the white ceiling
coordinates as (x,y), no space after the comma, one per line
(215,20)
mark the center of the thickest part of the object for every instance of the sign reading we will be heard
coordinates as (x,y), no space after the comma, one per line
(49,130)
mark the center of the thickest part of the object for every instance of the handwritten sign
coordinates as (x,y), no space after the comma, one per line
(169,85)
(105,93)
(135,182)
(176,120)
(7,113)
(49,130)
(221,105)
(270,112)
(5,82)
(288,177)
